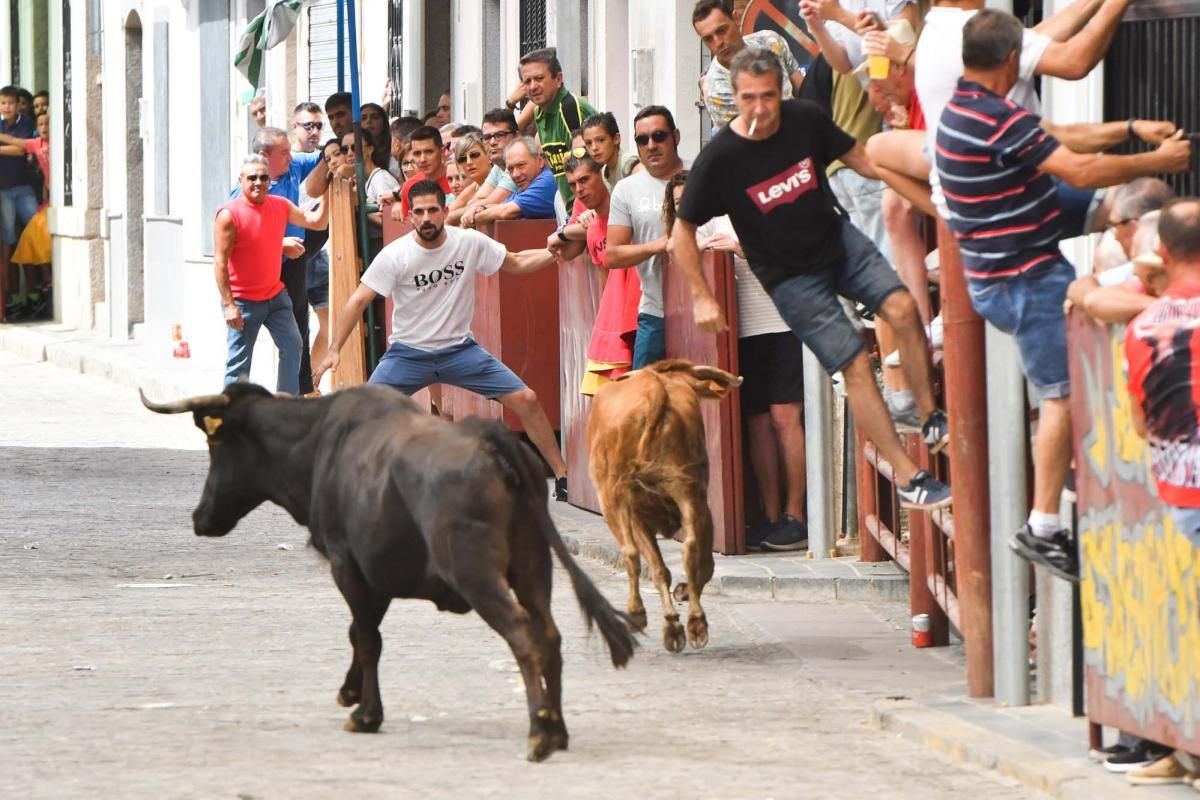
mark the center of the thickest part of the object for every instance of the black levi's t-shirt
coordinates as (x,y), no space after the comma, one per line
(774,192)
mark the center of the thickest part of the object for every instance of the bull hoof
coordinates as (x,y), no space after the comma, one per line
(542,747)
(697,629)
(680,592)
(637,619)
(674,639)
(347,698)
(358,723)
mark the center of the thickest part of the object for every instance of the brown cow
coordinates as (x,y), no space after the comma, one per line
(648,460)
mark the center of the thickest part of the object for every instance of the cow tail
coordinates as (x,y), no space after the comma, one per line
(614,625)
(643,471)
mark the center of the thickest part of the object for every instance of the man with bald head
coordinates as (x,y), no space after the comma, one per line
(1162,353)
(536,187)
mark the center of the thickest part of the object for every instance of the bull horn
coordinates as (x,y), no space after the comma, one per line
(183,406)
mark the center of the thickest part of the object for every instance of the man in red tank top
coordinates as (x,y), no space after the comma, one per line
(248,239)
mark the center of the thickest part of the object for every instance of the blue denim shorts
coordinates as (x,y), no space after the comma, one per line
(465,365)
(18,204)
(1029,307)
(318,279)
(809,303)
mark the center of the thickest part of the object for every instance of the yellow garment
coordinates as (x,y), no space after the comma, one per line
(34,245)
(595,376)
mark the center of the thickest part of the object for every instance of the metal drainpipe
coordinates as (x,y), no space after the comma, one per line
(966,407)
(1007,484)
(818,453)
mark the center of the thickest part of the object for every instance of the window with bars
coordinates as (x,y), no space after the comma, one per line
(1144,76)
(68,157)
(395,54)
(14,11)
(533,25)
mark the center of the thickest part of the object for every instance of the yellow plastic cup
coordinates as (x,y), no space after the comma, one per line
(878,67)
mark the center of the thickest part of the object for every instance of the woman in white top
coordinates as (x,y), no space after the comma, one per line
(771,362)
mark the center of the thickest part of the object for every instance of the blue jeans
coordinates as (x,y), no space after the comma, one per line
(17,206)
(276,314)
(650,344)
(1029,307)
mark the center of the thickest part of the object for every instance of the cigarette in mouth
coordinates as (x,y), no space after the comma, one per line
(753,125)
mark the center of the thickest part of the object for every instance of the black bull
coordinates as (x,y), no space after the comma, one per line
(403,504)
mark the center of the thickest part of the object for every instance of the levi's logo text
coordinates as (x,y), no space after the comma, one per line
(445,276)
(784,188)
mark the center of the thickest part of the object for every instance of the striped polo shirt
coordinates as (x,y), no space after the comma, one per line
(1003,212)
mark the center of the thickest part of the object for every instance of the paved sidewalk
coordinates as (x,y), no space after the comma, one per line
(1042,746)
(777,576)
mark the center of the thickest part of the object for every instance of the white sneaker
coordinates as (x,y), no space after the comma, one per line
(936,333)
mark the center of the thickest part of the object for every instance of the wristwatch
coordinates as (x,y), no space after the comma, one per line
(561,233)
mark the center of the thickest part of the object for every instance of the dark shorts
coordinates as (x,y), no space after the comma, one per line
(465,365)
(809,303)
(772,368)
(1029,307)
(318,279)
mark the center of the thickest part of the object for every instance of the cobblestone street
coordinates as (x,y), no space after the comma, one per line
(139,661)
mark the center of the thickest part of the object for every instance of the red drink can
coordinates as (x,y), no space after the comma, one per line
(922,635)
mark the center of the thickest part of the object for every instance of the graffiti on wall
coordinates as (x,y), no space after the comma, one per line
(1140,587)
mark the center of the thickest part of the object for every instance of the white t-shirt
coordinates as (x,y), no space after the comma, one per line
(637,204)
(433,291)
(379,182)
(756,310)
(938,67)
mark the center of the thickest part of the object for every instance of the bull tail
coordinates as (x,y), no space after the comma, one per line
(614,626)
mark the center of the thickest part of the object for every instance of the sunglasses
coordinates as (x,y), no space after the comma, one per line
(1119,222)
(311,126)
(263,178)
(491,137)
(659,137)
(473,154)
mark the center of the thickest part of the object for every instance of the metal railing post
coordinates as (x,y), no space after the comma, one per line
(1007,485)
(818,450)
(966,407)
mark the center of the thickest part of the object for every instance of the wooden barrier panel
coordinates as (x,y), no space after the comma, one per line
(1139,570)
(723,420)
(343,280)
(579,295)
(516,320)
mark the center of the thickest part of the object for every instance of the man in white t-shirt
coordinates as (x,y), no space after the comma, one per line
(636,236)
(430,276)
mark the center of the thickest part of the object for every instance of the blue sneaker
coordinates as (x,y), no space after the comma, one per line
(924,493)
(756,537)
(789,534)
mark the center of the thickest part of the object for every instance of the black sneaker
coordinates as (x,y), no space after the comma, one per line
(789,534)
(924,492)
(756,537)
(560,489)
(1143,754)
(1057,554)
(936,432)
(1102,754)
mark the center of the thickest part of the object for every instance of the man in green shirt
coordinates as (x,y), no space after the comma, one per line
(558,112)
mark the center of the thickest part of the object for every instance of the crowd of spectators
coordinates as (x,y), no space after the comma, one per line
(25,275)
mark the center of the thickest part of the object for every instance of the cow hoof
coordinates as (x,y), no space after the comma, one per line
(697,629)
(637,619)
(674,639)
(357,723)
(542,747)
(347,698)
(680,592)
